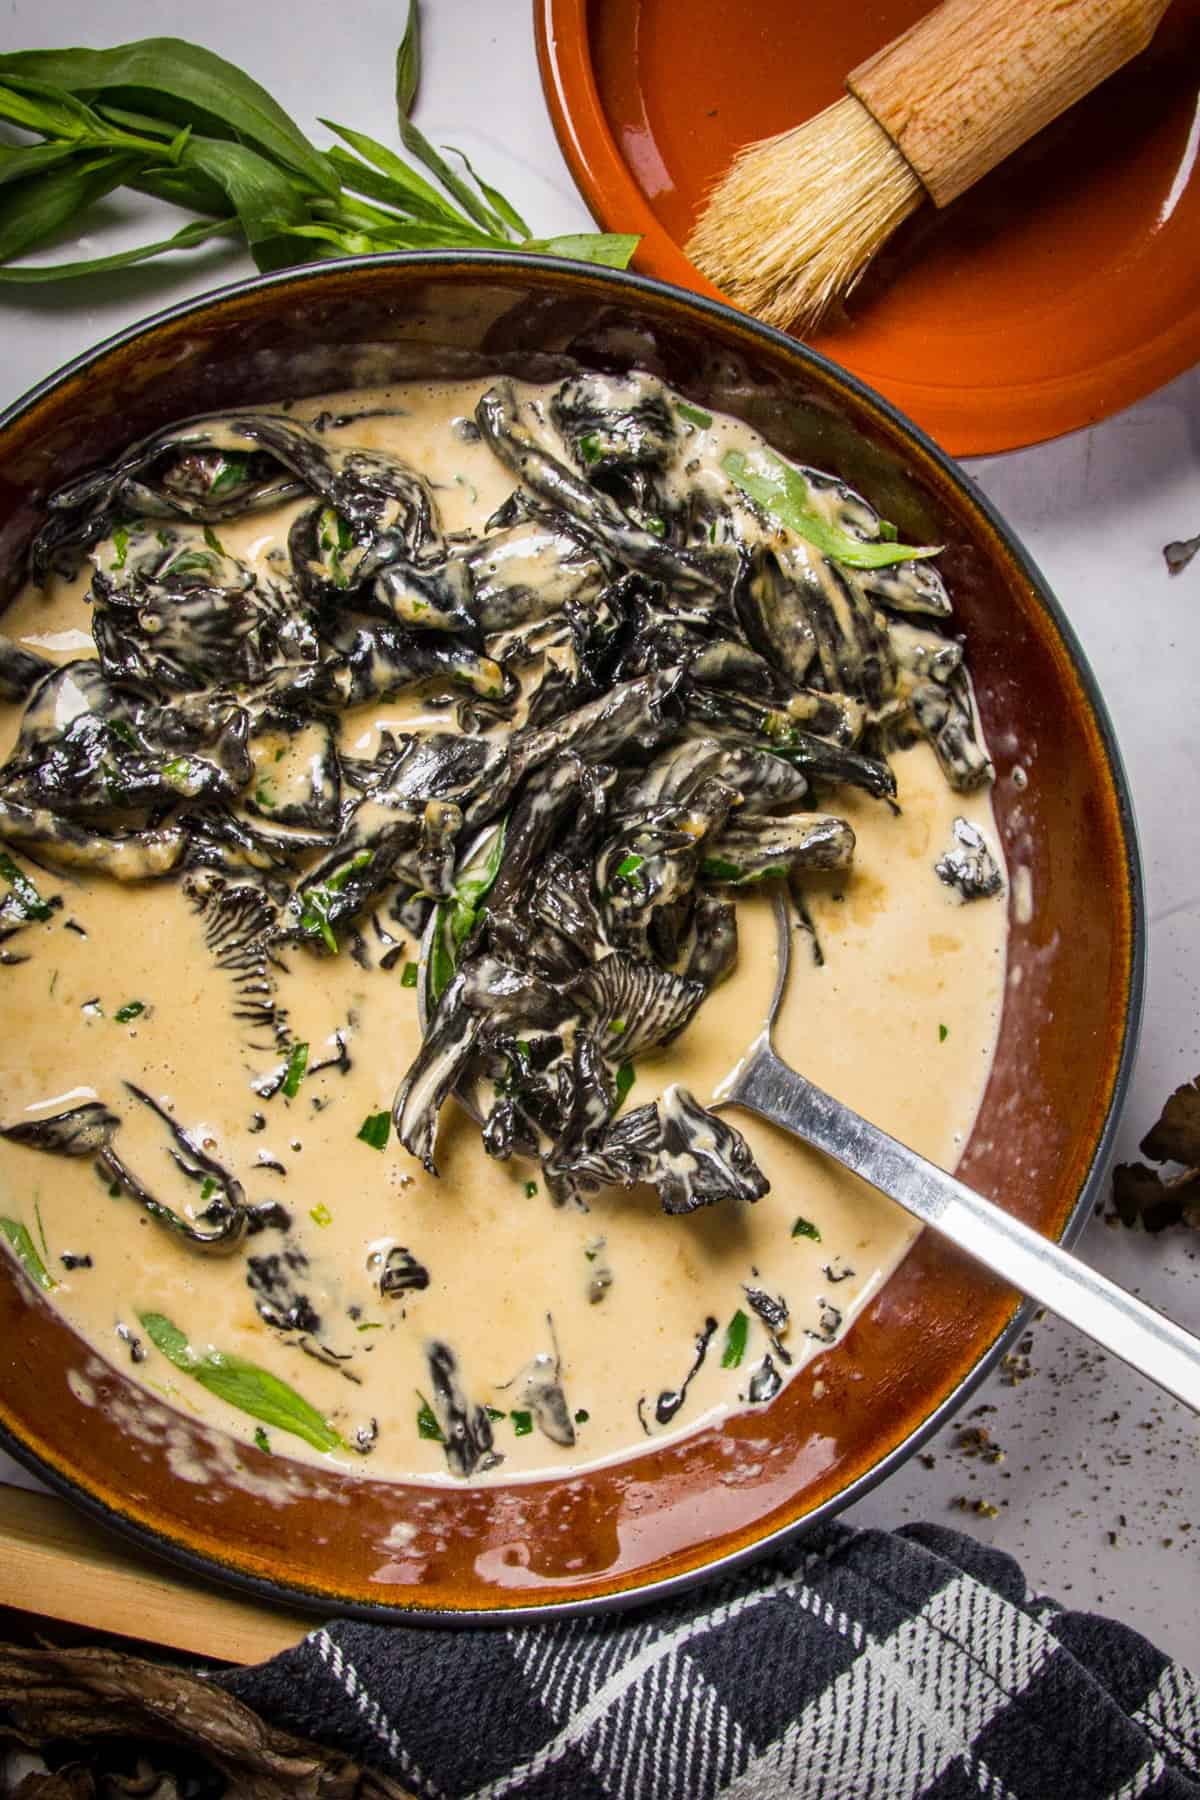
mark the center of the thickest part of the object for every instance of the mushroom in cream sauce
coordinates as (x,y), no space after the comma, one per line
(384,898)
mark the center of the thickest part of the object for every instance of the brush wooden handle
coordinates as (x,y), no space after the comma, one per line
(975,79)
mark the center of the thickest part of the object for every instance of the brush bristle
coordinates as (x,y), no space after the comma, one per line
(793,225)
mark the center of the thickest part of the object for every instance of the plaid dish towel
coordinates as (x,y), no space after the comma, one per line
(860,1665)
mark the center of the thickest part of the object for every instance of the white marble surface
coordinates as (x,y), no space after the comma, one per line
(1096,1492)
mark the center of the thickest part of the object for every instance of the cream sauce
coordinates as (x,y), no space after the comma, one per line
(900,1021)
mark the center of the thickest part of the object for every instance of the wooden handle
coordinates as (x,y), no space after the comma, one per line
(55,1562)
(975,79)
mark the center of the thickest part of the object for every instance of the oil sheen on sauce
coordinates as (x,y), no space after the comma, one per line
(900,1021)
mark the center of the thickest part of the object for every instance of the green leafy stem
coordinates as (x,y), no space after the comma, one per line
(173,120)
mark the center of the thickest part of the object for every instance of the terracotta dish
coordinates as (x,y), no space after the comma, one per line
(1066,1040)
(1063,287)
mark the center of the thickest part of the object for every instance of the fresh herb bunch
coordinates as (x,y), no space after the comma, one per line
(173,120)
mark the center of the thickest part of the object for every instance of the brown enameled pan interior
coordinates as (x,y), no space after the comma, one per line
(1069,1021)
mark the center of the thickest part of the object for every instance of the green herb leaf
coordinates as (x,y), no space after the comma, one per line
(582,1416)
(191,235)
(297,1063)
(262,1440)
(408,975)
(782,491)
(695,415)
(28,899)
(608,249)
(198,87)
(427,1425)
(35,209)
(804,1228)
(735,1340)
(408,62)
(208,1188)
(26,1253)
(531,1188)
(629,865)
(374,1130)
(320,1214)
(522,1423)
(242,1384)
(626,1076)
(943,1033)
(494,1413)
(132,1009)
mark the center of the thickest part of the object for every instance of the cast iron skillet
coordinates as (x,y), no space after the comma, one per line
(672,1513)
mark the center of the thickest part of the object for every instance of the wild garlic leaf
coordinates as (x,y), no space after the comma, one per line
(33,210)
(782,491)
(191,235)
(210,93)
(26,1253)
(386,176)
(20,160)
(264,197)
(608,249)
(242,1384)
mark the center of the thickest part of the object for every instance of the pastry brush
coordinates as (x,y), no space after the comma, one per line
(793,225)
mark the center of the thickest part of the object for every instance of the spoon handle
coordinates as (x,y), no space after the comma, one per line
(1146,1340)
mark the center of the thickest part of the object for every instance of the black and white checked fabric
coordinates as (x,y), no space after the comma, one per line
(862,1665)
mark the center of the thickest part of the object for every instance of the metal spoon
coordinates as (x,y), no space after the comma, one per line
(1146,1340)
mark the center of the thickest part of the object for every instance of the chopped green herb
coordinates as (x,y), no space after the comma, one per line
(655,526)
(716,868)
(28,899)
(427,1425)
(626,1075)
(177,771)
(132,1009)
(629,865)
(735,1340)
(369,1325)
(531,1188)
(208,1188)
(318,901)
(320,1214)
(264,793)
(806,1229)
(888,531)
(582,1416)
(297,1063)
(943,1033)
(408,975)
(335,537)
(522,1423)
(591,1254)
(213,541)
(262,1440)
(617,1025)
(695,415)
(242,1384)
(126,733)
(782,491)
(120,538)
(114,1190)
(230,474)
(457,918)
(591,448)
(494,1412)
(374,1130)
